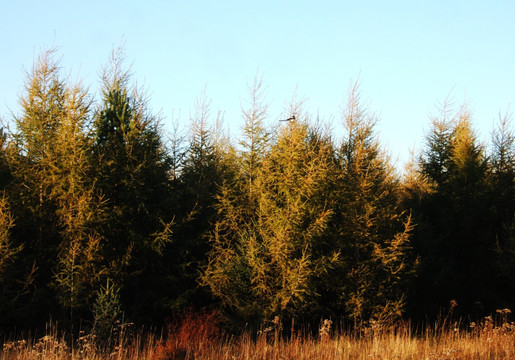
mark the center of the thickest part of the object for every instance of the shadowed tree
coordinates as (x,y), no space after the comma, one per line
(455,240)
(32,157)
(372,233)
(10,274)
(502,164)
(132,175)
(208,162)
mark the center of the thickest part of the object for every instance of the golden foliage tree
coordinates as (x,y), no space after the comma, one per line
(266,262)
(79,208)
(8,251)
(372,234)
(55,202)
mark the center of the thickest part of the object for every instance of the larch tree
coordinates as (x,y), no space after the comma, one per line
(455,240)
(9,275)
(265,263)
(8,251)
(79,208)
(56,203)
(237,199)
(502,165)
(255,138)
(32,153)
(208,162)
(372,234)
(35,141)
(132,176)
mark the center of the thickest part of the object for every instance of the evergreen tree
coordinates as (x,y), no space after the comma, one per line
(437,155)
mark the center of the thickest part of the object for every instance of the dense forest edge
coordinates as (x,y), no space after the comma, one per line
(105,219)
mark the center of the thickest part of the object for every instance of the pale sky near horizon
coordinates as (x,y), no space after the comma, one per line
(408,55)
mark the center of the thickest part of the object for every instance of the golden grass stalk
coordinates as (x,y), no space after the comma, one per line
(199,339)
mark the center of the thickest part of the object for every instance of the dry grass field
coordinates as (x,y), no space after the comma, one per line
(200,338)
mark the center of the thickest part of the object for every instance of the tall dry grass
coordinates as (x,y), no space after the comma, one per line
(199,337)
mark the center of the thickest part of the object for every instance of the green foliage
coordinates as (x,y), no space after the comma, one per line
(437,155)
(34,155)
(107,312)
(33,160)
(372,234)
(79,210)
(502,164)
(8,251)
(255,138)
(208,163)
(131,172)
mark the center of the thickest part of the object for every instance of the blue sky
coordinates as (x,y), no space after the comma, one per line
(408,55)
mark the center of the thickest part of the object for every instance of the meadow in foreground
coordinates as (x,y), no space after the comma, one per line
(198,337)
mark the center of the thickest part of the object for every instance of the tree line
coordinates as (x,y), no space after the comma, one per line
(103,216)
